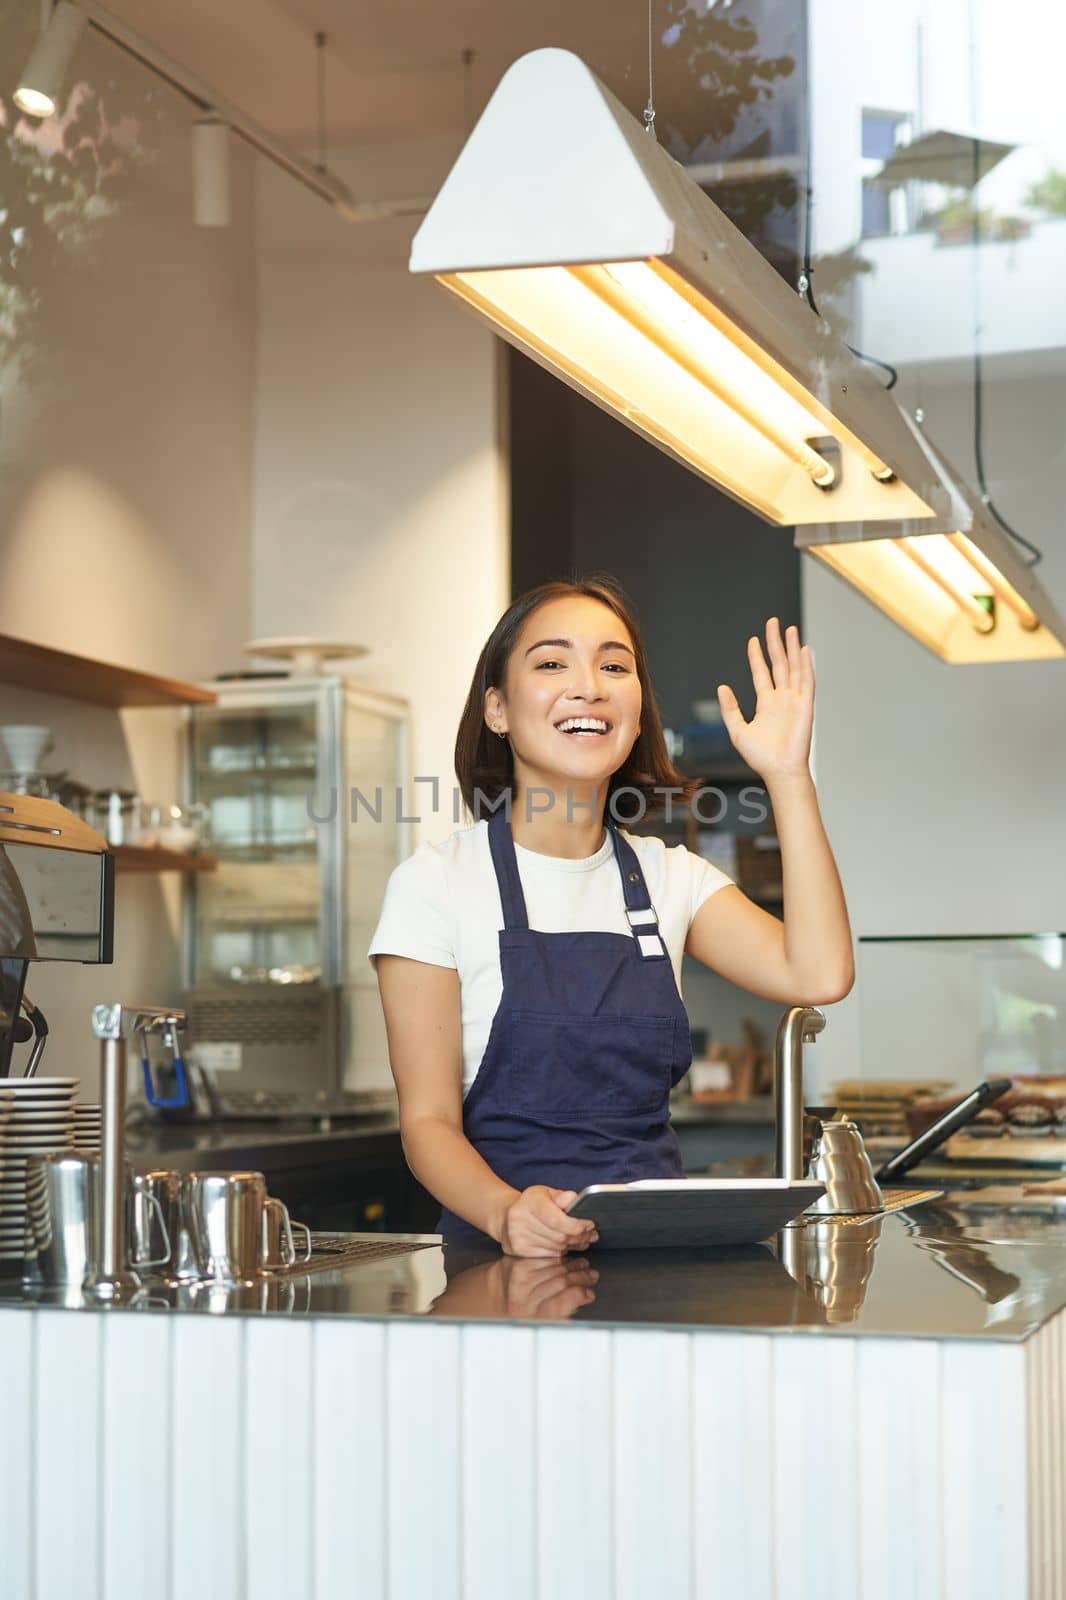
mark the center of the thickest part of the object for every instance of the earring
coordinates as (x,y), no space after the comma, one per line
(501,733)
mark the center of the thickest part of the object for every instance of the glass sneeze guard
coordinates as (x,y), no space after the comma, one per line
(963,1008)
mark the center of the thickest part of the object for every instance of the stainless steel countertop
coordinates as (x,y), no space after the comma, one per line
(957,1268)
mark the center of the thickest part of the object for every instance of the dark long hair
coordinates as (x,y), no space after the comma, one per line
(484,764)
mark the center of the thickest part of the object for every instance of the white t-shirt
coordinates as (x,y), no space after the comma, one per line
(442,906)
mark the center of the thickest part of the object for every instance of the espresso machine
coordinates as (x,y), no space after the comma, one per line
(57,903)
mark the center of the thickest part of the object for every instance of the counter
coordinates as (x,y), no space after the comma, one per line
(279,1146)
(338,1173)
(883,1416)
(332,1174)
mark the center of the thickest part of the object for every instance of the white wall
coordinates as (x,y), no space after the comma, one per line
(380,488)
(125,492)
(370,406)
(381,508)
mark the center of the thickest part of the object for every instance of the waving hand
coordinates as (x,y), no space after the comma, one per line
(777,740)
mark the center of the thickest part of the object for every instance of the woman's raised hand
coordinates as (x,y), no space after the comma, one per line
(536,1224)
(777,740)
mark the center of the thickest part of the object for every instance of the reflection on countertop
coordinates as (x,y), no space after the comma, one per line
(955,1269)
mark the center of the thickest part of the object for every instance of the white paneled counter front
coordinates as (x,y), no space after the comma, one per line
(421,1429)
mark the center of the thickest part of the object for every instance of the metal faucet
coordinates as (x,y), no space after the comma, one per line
(799,1026)
(111,1279)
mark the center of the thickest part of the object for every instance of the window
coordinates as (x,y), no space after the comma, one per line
(879,135)
(884,211)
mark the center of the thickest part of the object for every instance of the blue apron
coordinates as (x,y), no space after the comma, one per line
(589,1038)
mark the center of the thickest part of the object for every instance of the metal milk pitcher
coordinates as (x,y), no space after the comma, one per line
(839,1160)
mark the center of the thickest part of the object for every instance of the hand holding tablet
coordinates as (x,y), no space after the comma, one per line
(692,1212)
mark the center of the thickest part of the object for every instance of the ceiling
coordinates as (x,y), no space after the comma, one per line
(392,71)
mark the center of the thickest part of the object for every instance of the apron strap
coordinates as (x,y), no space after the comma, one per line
(506,863)
(640,912)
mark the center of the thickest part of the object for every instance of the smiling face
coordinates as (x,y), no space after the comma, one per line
(572,698)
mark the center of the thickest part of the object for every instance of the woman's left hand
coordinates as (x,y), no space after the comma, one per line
(777,740)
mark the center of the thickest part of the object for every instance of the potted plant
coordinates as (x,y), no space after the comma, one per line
(1007,229)
(957,222)
(1048,194)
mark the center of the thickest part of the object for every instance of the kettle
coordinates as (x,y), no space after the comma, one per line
(840,1162)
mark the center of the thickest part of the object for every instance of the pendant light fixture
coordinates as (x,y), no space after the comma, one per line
(957,583)
(211,173)
(581,241)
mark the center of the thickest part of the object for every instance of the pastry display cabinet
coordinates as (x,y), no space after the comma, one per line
(280,994)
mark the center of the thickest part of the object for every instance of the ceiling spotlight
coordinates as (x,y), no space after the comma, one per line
(41,84)
(210,173)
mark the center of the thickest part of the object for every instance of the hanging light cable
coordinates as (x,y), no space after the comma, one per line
(649,109)
(1035,554)
(467,57)
(320,99)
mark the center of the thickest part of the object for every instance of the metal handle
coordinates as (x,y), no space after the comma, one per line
(169,1025)
(180,1097)
(289,1245)
(40,1034)
(153,1203)
(307,1240)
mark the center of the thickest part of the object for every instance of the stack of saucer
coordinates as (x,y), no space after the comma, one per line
(6,1102)
(88,1125)
(38,1118)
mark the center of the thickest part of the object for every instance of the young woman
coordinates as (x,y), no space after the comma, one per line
(529,967)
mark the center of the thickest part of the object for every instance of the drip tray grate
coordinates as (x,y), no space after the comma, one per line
(330,1251)
(895,1200)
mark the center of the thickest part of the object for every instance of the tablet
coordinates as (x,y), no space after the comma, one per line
(692,1211)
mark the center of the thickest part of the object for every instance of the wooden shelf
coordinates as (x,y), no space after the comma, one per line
(135,858)
(38,666)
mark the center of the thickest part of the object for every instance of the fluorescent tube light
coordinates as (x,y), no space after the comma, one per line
(588,247)
(41,84)
(957,585)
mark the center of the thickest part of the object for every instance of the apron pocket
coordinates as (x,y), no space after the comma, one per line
(603,1065)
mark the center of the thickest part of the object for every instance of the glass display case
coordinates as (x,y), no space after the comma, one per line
(940,1015)
(278,985)
(964,1007)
